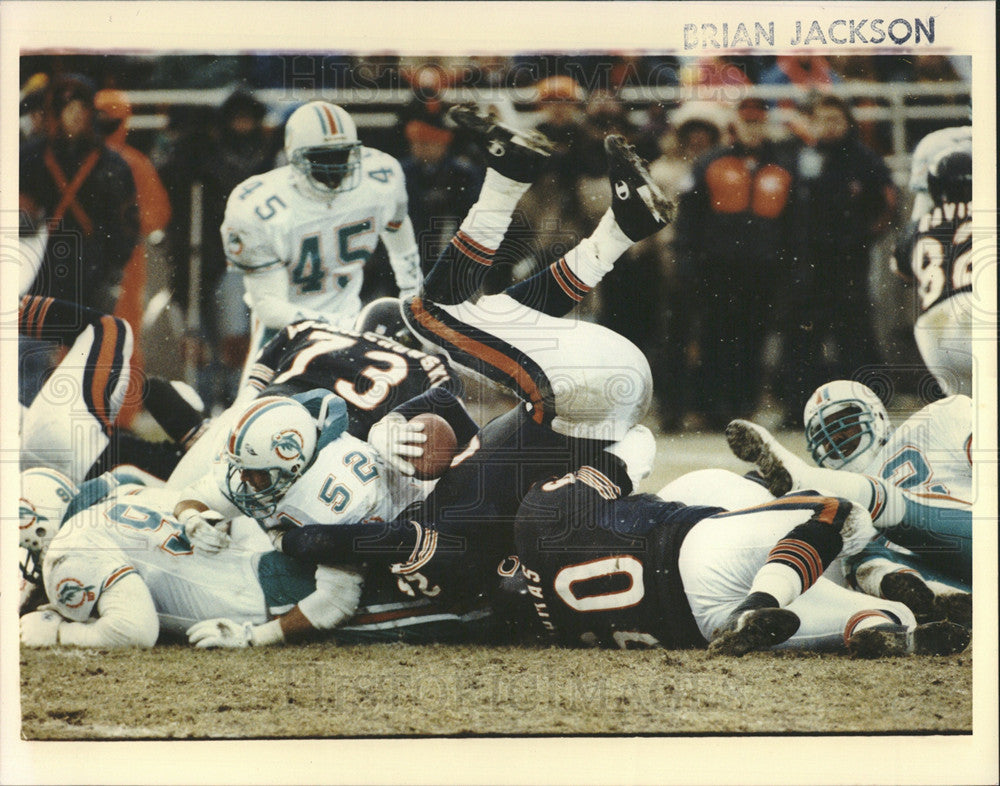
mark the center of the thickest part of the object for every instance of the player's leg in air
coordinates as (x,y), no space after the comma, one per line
(581,379)
(67,425)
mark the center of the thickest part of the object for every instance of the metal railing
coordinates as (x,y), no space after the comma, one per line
(895,104)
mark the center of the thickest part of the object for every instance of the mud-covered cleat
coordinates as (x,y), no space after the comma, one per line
(910,590)
(639,206)
(519,155)
(889,641)
(955,607)
(754,443)
(926,604)
(940,638)
(753,630)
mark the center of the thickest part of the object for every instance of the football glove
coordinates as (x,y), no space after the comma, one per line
(201,531)
(41,628)
(396,439)
(220,633)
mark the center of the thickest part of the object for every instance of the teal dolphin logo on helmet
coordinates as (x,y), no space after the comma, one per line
(287,444)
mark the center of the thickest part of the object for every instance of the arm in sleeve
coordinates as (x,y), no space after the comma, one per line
(398,237)
(336,598)
(206,494)
(442,402)
(901,262)
(352,543)
(404,257)
(126,618)
(267,295)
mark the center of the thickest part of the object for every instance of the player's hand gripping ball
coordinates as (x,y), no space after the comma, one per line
(439,449)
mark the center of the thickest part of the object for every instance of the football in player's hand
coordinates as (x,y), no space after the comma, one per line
(439,449)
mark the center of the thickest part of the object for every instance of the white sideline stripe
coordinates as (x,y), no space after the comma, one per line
(407,621)
(379,607)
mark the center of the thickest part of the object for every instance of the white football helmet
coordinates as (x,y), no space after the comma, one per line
(45,497)
(321,143)
(845,422)
(271,445)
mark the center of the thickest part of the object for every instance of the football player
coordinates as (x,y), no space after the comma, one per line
(916,482)
(68,424)
(302,233)
(646,571)
(928,149)
(373,366)
(936,252)
(121,570)
(289,462)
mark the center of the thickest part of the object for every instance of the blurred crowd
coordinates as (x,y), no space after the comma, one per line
(756,294)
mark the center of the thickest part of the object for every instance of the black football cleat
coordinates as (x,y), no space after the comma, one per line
(926,604)
(519,155)
(955,607)
(891,641)
(754,630)
(750,442)
(910,590)
(639,206)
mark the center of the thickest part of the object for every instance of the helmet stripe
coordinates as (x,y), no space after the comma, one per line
(332,117)
(322,121)
(239,431)
(327,120)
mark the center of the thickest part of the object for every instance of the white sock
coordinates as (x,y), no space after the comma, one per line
(594,257)
(868,576)
(779,581)
(489,218)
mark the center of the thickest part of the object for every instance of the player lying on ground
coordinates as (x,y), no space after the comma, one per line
(916,482)
(121,571)
(302,233)
(645,570)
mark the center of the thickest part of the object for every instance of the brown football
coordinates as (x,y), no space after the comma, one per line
(439,449)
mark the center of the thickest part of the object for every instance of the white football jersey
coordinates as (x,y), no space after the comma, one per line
(269,223)
(133,531)
(348,483)
(930,454)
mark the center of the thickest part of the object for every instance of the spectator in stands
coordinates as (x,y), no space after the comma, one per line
(235,146)
(440,186)
(84,194)
(810,72)
(696,128)
(113,113)
(732,239)
(845,200)
(32,107)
